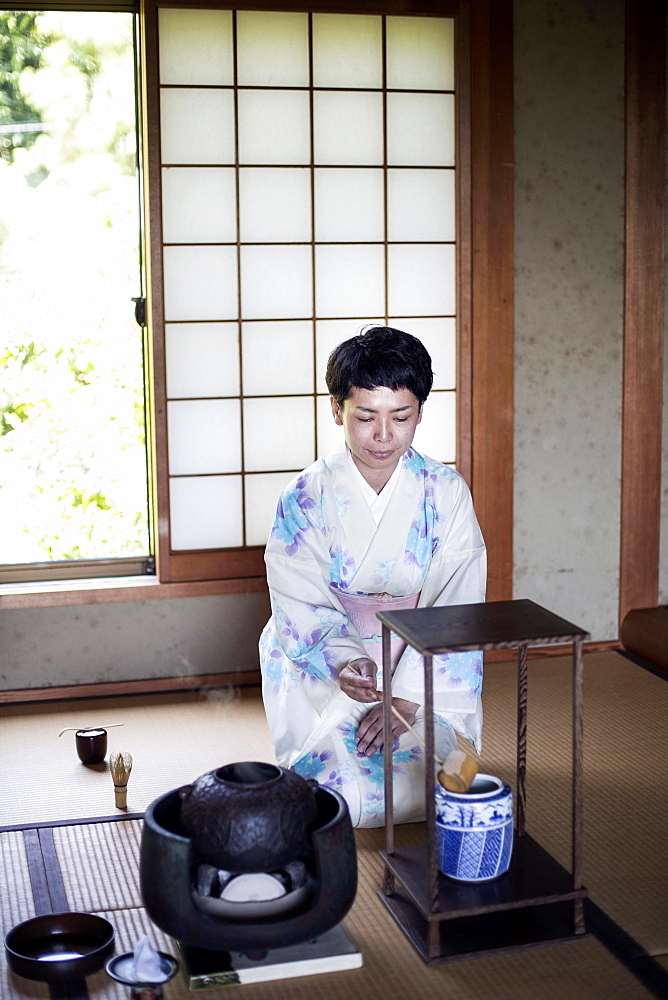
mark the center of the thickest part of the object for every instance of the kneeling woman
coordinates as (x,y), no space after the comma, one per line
(374,526)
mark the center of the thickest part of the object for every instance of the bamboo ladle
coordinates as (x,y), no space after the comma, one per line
(458,769)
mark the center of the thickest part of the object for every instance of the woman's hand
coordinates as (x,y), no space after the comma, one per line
(358,680)
(370,736)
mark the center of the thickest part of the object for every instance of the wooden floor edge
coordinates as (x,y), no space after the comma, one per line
(627,950)
(150,685)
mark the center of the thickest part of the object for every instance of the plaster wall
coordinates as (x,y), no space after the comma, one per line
(569,175)
(46,647)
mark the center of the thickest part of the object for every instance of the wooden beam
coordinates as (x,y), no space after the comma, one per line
(643,303)
(492,335)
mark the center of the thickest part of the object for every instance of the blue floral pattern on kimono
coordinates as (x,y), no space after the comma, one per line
(324,543)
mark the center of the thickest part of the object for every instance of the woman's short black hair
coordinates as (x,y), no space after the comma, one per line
(379,356)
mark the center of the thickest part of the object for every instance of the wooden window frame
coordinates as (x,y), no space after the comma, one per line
(484,275)
(484,151)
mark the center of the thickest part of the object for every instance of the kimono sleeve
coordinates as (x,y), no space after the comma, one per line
(312,628)
(456,575)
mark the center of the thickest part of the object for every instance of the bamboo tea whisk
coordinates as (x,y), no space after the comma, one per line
(120,765)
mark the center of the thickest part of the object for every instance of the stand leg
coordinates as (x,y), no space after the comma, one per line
(430,781)
(521,738)
(388,883)
(578,675)
(388,786)
(434,939)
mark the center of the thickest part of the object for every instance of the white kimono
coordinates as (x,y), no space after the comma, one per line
(325,544)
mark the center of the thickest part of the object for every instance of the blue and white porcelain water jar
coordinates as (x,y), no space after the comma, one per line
(474,830)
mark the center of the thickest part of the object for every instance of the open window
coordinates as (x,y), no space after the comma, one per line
(74,497)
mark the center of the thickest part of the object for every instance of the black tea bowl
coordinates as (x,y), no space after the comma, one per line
(59,947)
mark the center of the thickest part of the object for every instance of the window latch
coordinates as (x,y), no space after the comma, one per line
(140,310)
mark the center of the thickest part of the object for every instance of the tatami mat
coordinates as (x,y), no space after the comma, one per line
(577,970)
(581,971)
(16,905)
(625,799)
(100,864)
(174,738)
(15,891)
(15,988)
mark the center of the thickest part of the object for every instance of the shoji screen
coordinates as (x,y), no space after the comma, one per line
(308,188)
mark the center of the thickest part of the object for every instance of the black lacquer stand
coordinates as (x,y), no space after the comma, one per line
(537,902)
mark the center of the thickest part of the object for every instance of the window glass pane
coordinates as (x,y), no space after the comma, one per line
(199,205)
(262,493)
(329,333)
(202,359)
(200,283)
(275,205)
(347,50)
(278,433)
(349,205)
(277,357)
(276,282)
(421,279)
(197,126)
(349,280)
(203,436)
(272,49)
(439,337)
(421,205)
(274,126)
(348,128)
(420,130)
(196,46)
(73,480)
(205,513)
(436,434)
(420,53)
(330,435)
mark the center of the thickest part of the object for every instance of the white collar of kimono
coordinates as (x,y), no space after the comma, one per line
(377,501)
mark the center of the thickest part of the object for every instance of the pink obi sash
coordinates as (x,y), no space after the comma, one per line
(362,610)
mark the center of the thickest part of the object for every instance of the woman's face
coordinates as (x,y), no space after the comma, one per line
(379,425)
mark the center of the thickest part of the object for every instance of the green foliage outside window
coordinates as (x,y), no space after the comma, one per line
(21,47)
(73,481)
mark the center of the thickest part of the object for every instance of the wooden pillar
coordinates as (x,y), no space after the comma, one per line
(643,303)
(492,284)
